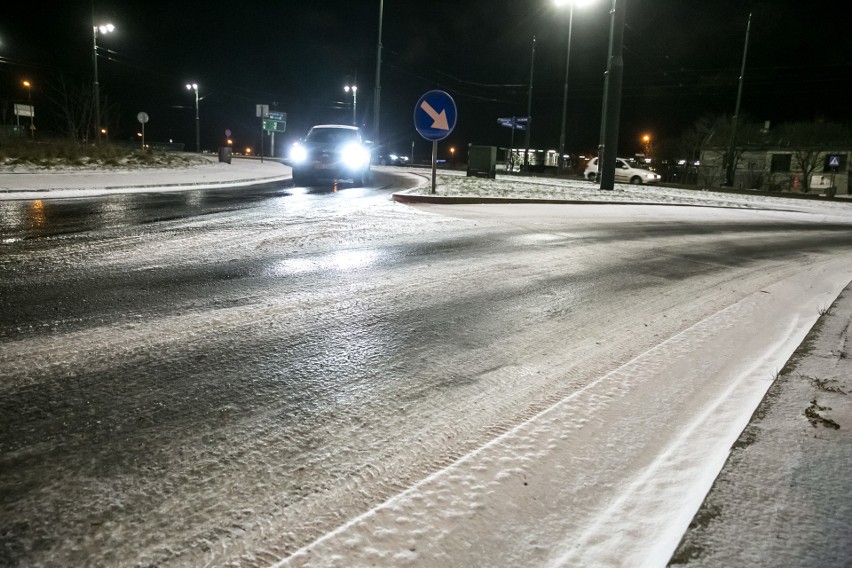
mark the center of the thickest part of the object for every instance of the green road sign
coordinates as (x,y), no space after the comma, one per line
(274,125)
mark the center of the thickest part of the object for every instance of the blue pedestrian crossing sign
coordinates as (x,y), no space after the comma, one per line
(435,115)
(834,162)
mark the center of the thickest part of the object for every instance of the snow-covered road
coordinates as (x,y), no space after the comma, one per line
(341,380)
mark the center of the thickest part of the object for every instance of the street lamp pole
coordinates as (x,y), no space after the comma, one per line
(612,96)
(194,87)
(571,4)
(565,88)
(106,28)
(377,97)
(354,89)
(29,87)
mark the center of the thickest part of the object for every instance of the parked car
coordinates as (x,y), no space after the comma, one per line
(392,160)
(624,172)
(331,151)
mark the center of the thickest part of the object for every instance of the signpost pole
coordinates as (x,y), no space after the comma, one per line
(434,163)
(512,146)
(142,117)
(434,118)
(262,111)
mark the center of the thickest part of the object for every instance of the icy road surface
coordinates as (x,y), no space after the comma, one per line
(339,380)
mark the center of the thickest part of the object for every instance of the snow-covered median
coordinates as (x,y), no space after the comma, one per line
(456,184)
(39,183)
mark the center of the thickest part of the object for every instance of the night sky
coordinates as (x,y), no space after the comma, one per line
(682,62)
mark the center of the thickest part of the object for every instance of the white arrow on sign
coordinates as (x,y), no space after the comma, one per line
(439,120)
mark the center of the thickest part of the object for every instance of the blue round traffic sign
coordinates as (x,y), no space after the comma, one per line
(435,115)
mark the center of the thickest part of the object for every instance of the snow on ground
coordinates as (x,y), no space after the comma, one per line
(784,493)
(456,184)
(509,498)
(785,489)
(37,183)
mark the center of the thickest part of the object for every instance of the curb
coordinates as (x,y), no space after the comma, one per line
(448,200)
(186,186)
(192,185)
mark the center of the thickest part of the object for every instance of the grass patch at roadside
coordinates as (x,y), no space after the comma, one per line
(18,153)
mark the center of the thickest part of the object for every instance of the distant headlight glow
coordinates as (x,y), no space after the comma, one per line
(355,156)
(298,154)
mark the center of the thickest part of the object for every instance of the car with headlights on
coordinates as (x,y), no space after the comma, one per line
(331,152)
(625,172)
(392,160)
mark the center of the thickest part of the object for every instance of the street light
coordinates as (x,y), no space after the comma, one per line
(104,29)
(571,4)
(194,87)
(646,144)
(29,87)
(354,90)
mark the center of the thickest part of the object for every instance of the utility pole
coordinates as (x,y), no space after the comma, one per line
(377,97)
(612,108)
(730,172)
(529,110)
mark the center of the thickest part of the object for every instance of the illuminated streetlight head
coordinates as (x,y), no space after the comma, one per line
(577,3)
(27,84)
(106,28)
(191,87)
(646,138)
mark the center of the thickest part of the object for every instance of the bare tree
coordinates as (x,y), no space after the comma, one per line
(75,103)
(714,133)
(697,136)
(4,110)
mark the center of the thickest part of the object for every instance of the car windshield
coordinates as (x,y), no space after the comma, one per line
(332,135)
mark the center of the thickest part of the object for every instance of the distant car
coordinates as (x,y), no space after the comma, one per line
(624,172)
(331,151)
(392,160)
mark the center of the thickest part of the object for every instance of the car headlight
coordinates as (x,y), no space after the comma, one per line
(355,156)
(298,154)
